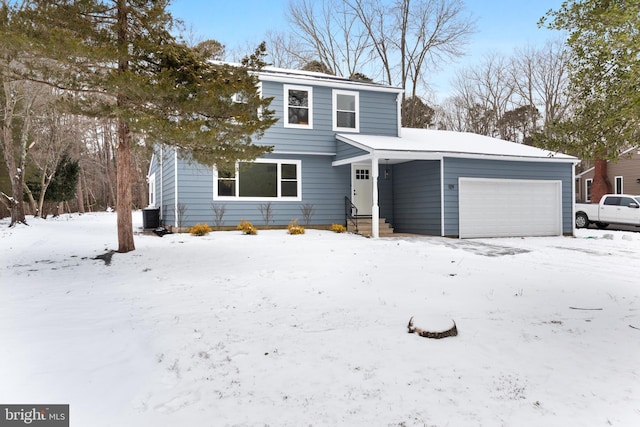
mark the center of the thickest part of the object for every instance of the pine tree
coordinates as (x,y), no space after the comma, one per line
(119,59)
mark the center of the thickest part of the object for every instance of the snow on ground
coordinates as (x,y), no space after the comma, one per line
(281,330)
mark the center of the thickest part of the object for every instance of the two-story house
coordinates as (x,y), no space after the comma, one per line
(340,150)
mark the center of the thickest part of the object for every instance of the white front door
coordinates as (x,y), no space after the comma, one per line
(362,185)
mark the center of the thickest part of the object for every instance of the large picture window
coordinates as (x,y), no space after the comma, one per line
(260,180)
(346,107)
(298,101)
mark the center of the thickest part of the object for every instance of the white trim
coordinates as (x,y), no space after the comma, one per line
(302,153)
(328,82)
(153,157)
(573,202)
(279,197)
(587,193)
(175,183)
(285,103)
(334,110)
(375,207)
(442,197)
(161,182)
(399,113)
(152,189)
(615,184)
(353,160)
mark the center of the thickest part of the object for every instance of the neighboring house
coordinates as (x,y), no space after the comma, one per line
(623,174)
(339,146)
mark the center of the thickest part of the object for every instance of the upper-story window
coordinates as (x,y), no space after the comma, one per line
(298,101)
(346,115)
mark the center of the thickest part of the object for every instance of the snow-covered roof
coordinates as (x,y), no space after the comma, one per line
(320,79)
(429,143)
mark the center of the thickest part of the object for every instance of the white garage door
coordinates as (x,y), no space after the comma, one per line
(509,207)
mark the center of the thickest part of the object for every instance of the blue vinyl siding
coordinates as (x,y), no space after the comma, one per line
(378,115)
(195,190)
(385,193)
(474,168)
(167,188)
(323,186)
(416,192)
(320,139)
(347,151)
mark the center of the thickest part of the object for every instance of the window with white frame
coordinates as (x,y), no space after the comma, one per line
(260,180)
(152,189)
(298,106)
(587,189)
(619,184)
(346,115)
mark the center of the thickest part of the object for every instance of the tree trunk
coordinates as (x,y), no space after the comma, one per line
(16,172)
(123,189)
(601,184)
(123,149)
(16,204)
(80,194)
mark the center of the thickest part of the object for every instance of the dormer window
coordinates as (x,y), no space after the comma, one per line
(298,101)
(346,116)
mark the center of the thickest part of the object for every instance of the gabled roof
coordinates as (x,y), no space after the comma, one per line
(433,144)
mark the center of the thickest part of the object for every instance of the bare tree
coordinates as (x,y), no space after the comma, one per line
(286,51)
(18,101)
(410,38)
(54,135)
(485,92)
(332,32)
(541,79)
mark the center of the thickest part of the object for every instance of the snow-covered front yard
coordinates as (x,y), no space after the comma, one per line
(281,330)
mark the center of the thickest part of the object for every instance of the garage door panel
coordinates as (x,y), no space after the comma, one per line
(509,207)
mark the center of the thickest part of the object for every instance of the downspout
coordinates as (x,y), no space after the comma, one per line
(573,200)
(399,114)
(161,182)
(442,196)
(175,183)
(375,209)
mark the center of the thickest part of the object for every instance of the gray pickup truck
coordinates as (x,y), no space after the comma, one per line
(612,209)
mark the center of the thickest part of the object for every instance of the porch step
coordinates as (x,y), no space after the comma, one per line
(365,228)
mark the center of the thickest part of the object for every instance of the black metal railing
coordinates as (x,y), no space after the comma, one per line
(350,214)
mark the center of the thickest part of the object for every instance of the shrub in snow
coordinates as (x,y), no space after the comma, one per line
(200,230)
(247,228)
(294,228)
(338,228)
